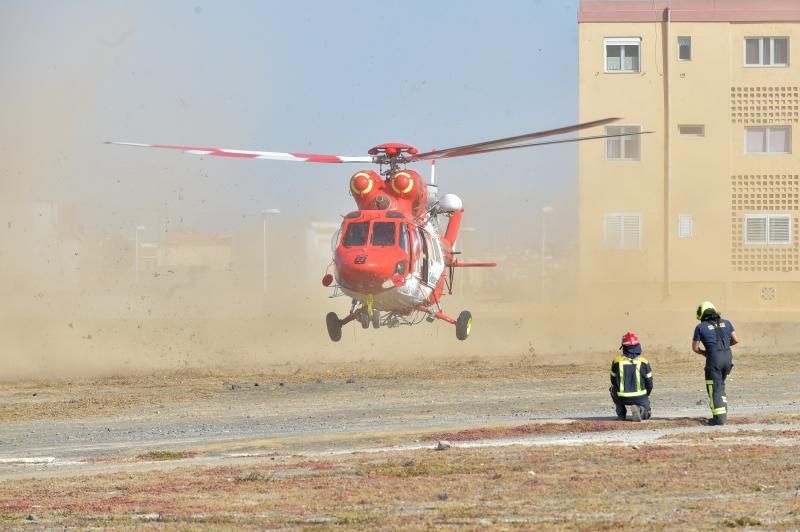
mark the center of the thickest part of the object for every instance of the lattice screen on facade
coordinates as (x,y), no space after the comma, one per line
(765,105)
(753,194)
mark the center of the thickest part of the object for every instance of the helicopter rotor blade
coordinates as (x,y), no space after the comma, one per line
(559,141)
(251,154)
(482,147)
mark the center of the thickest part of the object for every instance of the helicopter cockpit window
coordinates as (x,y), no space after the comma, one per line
(403,240)
(356,234)
(335,239)
(383,233)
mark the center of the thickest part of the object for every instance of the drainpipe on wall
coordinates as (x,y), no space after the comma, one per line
(667,154)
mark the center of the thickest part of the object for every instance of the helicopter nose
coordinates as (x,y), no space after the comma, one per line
(365,277)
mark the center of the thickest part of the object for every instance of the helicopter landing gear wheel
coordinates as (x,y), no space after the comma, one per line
(363,317)
(463,325)
(334,326)
(376,319)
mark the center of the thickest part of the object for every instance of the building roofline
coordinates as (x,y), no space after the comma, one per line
(689,10)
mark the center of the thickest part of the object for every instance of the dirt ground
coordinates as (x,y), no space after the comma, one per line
(532,445)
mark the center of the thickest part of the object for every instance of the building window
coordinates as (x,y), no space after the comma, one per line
(692,130)
(685,48)
(685,226)
(760,229)
(623,231)
(766,51)
(624,147)
(622,54)
(768,139)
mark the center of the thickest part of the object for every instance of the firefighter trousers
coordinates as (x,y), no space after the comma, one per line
(718,365)
(620,404)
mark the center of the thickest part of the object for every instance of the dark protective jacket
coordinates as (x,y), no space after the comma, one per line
(715,333)
(631,374)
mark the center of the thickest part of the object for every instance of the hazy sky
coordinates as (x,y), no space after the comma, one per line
(313,76)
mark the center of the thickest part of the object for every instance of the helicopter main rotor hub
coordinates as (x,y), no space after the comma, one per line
(393,154)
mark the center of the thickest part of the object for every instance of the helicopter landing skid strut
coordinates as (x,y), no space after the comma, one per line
(463,323)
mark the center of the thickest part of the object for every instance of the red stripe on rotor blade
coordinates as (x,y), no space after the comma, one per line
(220,153)
(312,158)
(216,152)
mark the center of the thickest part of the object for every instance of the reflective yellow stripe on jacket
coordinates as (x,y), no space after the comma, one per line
(622,362)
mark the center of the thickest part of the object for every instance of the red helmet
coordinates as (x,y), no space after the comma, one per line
(629,340)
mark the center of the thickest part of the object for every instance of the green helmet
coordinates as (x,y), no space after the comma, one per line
(704,307)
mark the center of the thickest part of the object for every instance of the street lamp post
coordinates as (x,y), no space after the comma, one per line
(545,210)
(136,251)
(265,213)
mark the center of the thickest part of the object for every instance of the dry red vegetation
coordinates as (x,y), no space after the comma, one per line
(708,486)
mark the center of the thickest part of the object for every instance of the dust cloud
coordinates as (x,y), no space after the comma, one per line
(124,261)
(80,302)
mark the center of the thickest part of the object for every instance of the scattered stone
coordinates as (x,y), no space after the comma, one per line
(532,473)
(280,384)
(636,447)
(409,463)
(442,497)
(442,445)
(35,394)
(32,517)
(699,403)
(350,381)
(256,384)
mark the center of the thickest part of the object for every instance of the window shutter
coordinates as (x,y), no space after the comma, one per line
(613,57)
(781,51)
(685,48)
(780,139)
(694,130)
(631,234)
(780,229)
(623,231)
(755,230)
(685,224)
(752,55)
(613,231)
(756,138)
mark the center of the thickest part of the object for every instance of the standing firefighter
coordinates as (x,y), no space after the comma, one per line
(717,336)
(631,380)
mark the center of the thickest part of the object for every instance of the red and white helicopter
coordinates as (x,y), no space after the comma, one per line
(391,256)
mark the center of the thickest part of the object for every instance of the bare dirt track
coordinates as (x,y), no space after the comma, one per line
(532,445)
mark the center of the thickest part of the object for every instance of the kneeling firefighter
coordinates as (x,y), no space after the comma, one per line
(717,336)
(631,380)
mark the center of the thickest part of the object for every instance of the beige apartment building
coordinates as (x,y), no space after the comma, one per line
(707,205)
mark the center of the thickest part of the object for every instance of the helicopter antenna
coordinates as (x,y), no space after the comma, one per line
(433,172)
